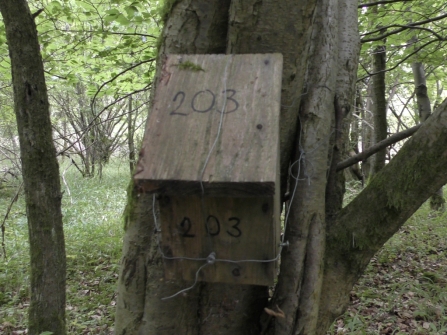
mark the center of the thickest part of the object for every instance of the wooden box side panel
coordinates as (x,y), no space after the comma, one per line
(232,98)
(242,232)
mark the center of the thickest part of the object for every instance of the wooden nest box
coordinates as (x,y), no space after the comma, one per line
(211,154)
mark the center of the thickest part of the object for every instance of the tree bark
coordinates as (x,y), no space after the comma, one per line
(299,286)
(354,172)
(437,201)
(348,58)
(40,171)
(367,131)
(130,136)
(379,107)
(420,84)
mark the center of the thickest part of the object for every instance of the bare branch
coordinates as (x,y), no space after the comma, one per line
(116,76)
(109,32)
(384,2)
(400,62)
(377,147)
(402,28)
(92,122)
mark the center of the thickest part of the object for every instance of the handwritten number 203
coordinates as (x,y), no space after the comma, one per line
(212,226)
(179,99)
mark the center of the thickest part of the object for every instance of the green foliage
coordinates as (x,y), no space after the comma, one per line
(393,21)
(95,55)
(93,232)
(93,42)
(410,32)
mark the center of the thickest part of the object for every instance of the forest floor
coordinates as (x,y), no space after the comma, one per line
(93,227)
(404,290)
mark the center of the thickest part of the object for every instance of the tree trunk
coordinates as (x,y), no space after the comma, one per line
(422,99)
(348,59)
(130,137)
(40,171)
(379,107)
(437,201)
(299,286)
(354,172)
(320,53)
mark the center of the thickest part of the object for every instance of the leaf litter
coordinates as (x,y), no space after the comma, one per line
(404,289)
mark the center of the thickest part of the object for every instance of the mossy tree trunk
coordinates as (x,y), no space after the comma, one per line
(329,248)
(437,201)
(40,171)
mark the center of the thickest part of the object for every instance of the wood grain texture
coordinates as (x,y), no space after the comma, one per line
(235,229)
(178,156)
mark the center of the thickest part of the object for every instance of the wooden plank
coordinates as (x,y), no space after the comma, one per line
(200,98)
(235,229)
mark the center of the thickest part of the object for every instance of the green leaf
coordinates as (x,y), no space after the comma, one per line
(86,6)
(122,20)
(54,7)
(113,11)
(131,11)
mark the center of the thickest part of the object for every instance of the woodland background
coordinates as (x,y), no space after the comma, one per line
(99,59)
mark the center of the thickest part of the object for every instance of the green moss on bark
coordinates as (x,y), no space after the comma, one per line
(190,66)
(166,8)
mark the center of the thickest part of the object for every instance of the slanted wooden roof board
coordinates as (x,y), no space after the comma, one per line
(178,156)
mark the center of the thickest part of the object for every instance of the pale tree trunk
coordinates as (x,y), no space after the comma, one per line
(422,99)
(40,171)
(439,90)
(424,110)
(345,100)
